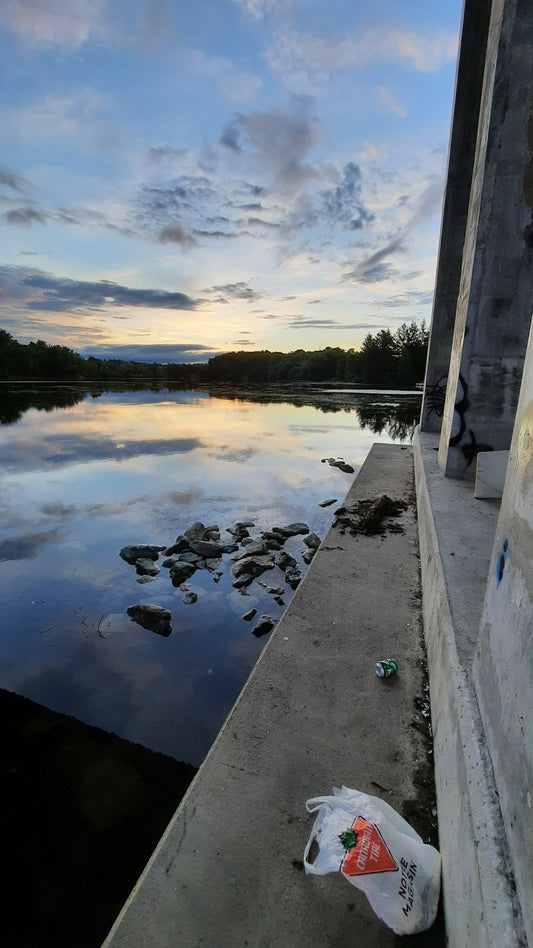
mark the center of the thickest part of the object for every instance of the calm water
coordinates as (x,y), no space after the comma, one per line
(79,482)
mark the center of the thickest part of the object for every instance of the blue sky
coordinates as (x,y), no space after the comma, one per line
(179,179)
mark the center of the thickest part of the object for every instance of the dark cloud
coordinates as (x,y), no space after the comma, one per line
(184,352)
(78,216)
(280,142)
(302,322)
(165,153)
(230,138)
(176,234)
(411,298)
(239,291)
(372,269)
(12,180)
(344,204)
(25,217)
(217,234)
(38,290)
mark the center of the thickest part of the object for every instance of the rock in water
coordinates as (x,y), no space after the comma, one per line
(292,529)
(284,560)
(293,576)
(141,551)
(146,567)
(154,618)
(180,572)
(264,626)
(312,541)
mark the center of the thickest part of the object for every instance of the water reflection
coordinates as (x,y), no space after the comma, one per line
(94,472)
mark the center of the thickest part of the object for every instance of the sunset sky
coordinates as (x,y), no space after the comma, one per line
(179,179)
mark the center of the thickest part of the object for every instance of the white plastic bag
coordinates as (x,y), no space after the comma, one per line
(377,851)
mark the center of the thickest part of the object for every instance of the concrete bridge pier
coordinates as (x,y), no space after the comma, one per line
(493,296)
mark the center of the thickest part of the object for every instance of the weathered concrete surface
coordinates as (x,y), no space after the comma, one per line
(494,302)
(456,537)
(461,153)
(313,715)
(504,657)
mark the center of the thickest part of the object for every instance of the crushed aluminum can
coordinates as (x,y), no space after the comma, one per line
(386,668)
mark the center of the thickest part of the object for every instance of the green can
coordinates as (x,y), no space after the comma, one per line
(386,668)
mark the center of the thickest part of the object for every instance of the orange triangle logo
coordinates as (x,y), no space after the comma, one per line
(367,851)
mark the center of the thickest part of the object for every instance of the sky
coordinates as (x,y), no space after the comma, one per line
(180,179)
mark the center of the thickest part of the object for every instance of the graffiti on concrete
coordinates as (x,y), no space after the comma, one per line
(469,449)
(459,412)
(501,561)
(436,396)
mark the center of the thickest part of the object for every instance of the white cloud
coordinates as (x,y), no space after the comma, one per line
(297,54)
(54,22)
(258,8)
(390,103)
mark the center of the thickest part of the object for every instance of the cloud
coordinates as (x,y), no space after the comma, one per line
(390,103)
(157,155)
(410,298)
(372,268)
(344,204)
(176,234)
(236,291)
(38,290)
(164,353)
(52,23)
(280,142)
(12,180)
(230,138)
(258,8)
(304,322)
(295,55)
(164,207)
(25,217)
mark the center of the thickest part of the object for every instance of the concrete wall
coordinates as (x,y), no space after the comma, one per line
(479,907)
(496,288)
(503,666)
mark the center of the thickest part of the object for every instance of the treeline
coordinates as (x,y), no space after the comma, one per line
(387,360)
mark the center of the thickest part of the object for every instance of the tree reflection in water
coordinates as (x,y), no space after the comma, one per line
(393,413)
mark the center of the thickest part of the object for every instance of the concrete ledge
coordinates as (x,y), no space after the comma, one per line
(480,908)
(313,715)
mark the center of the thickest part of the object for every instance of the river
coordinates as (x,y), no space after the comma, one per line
(84,473)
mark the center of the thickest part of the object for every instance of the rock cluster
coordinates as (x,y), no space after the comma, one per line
(202,547)
(340,463)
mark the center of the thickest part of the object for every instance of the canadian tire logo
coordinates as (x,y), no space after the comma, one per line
(366,850)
